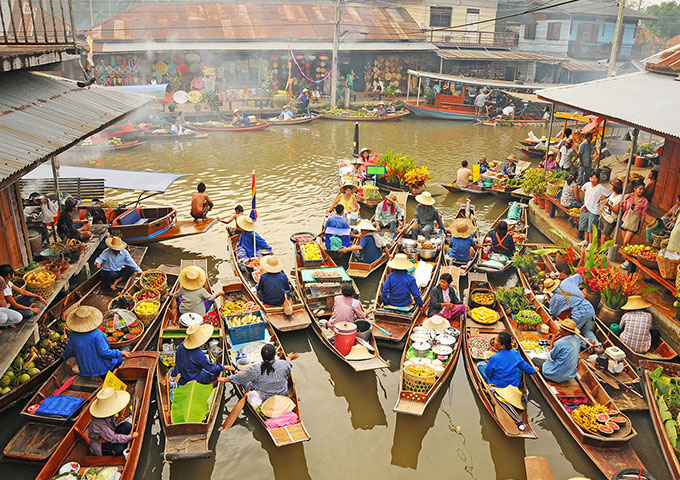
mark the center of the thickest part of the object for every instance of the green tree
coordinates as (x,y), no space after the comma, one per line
(667,23)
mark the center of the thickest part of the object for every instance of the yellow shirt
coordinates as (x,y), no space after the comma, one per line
(348,204)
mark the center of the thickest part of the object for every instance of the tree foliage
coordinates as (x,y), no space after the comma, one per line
(667,23)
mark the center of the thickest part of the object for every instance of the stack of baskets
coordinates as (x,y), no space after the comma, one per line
(553,188)
(668,268)
(40,281)
(658,237)
(154,280)
(677,278)
(419,383)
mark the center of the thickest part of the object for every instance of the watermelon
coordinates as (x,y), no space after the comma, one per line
(612,413)
(619,419)
(604,429)
(614,426)
(603,418)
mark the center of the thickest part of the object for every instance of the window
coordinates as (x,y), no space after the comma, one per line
(530,31)
(554,31)
(440,16)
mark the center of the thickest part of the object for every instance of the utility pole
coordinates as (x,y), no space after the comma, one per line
(334,66)
(611,71)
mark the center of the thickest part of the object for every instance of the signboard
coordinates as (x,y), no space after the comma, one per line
(375,170)
(114,382)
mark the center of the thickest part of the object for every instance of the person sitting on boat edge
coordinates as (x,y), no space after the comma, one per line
(200,203)
(116,262)
(463,175)
(66,227)
(267,378)
(273,286)
(510,168)
(636,325)
(370,247)
(483,165)
(501,240)
(388,214)
(400,288)
(109,436)
(240,120)
(336,230)
(347,308)
(286,113)
(192,291)
(382,111)
(89,345)
(461,247)
(12,311)
(562,362)
(190,361)
(391,108)
(504,367)
(568,301)
(444,301)
(238,211)
(347,198)
(249,242)
(426,216)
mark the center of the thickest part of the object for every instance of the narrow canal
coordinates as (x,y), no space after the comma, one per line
(355,433)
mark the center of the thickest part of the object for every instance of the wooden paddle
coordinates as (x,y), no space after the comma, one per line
(235,412)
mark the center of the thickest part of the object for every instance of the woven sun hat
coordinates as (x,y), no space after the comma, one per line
(425,198)
(197,335)
(365,224)
(462,228)
(276,406)
(236,111)
(115,243)
(192,278)
(84,319)
(271,264)
(348,185)
(512,158)
(400,262)
(244,222)
(359,352)
(366,149)
(392,197)
(568,325)
(549,285)
(436,322)
(512,395)
(109,402)
(636,302)
(304,90)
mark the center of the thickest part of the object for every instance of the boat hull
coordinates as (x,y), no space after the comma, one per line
(295,121)
(350,118)
(443,114)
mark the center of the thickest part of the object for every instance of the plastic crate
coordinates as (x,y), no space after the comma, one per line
(310,263)
(246,333)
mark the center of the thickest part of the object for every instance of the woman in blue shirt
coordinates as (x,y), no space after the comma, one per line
(400,288)
(371,246)
(273,287)
(506,366)
(191,363)
(510,168)
(462,240)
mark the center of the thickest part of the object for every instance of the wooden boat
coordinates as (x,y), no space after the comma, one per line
(188,440)
(294,121)
(444,110)
(287,435)
(166,134)
(368,202)
(513,423)
(519,231)
(466,210)
(279,320)
(532,152)
(56,315)
(107,146)
(415,403)
(669,452)
(226,127)
(358,269)
(505,192)
(398,321)
(514,123)
(354,118)
(318,299)
(137,373)
(146,225)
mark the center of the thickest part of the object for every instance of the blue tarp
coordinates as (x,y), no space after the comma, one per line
(155,91)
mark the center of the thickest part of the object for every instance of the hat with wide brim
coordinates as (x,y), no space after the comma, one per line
(392,197)
(568,325)
(462,228)
(304,90)
(366,149)
(550,285)
(348,185)
(276,406)
(197,335)
(512,158)
(109,402)
(365,224)
(636,302)
(192,278)
(271,264)
(425,198)
(84,319)
(359,352)
(512,395)
(115,243)
(244,222)
(400,262)
(236,111)
(436,322)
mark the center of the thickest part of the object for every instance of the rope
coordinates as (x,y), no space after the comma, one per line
(305,75)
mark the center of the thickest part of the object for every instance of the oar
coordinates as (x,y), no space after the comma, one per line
(382,330)
(235,412)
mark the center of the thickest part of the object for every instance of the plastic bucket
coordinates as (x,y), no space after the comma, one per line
(514,211)
(345,337)
(364,329)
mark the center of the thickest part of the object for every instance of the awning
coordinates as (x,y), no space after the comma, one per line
(155,91)
(481,82)
(119,179)
(496,55)
(575,117)
(525,97)
(42,115)
(583,66)
(260,46)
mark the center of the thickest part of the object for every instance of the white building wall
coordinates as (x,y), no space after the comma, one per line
(541,44)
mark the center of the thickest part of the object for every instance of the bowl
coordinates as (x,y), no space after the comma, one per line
(69,467)
(421,348)
(428,253)
(442,352)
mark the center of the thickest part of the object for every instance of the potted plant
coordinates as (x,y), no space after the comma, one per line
(172,106)
(415,179)
(390,92)
(525,263)
(642,150)
(616,286)
(535,184)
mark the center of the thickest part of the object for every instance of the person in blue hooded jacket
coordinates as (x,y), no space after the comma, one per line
(250,243)
(337,231)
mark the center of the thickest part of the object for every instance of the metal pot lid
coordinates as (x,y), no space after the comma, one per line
(445,339)
(421,346)
(442,350)
(452,331)
(420,337)
(408,242)
(420,329)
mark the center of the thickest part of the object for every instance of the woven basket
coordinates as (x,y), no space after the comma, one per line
(553,188)
(139,293)
(45,288)
(664,243)
(128,297)
(667,268)
(148,318)
(419,384)
(144,278)
(677,278)
(658,237)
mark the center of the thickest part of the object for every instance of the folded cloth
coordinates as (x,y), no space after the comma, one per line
(254,398)
(288,418)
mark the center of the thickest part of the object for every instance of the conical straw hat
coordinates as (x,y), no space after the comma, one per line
(400,262)
(276,406)
(84,319)
(192,277)
(109,402)
(197,335)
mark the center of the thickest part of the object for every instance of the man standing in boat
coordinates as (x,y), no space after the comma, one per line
(480,103)
(200,203)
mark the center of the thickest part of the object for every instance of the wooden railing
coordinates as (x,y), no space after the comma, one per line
(36,22)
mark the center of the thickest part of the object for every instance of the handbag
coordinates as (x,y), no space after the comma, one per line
(288,306)
(632,221)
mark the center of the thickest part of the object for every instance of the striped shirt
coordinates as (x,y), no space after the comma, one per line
(267,385)
(636,332)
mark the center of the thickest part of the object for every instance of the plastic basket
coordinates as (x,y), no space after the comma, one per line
(667,268)
(310,263)
(246,333)
(42,288)
(417,383)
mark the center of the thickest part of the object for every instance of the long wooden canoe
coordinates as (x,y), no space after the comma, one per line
(520,426)
(318,299)
(669,452)
(518,230)
(504,192)
(168,135)
(355,118)
(297,321)
(466,210)
(398,321)
(185,441)
(295,121)
(358,269)
(145,225)
(415,403)
(137,373)
(224,127)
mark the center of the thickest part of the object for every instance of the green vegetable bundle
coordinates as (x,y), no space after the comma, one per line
(528,317)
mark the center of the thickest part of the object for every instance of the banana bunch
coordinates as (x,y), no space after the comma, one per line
(586,416)
(484,315)
(244,320)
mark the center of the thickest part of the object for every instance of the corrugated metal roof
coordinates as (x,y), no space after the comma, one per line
(477,81)
(254,21)
(457,54)
(583,66)
(42,115)
(666,61)
(646,100)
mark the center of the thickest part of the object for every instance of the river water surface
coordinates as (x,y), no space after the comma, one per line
(355,434)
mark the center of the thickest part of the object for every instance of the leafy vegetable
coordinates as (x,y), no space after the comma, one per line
(190,402)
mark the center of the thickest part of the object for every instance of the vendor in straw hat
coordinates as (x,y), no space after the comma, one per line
(346,198)
(388,214)
(568,300)
(286,113)
(444,301)
(267,378)
(336,230)
(426,216)
(504,367)
(636,325)
(108,434)
(191,364)
(240,120)
(562,362)
(370,247)
(461,247)
(510,167)
(192,291)
(116,262)
(382,111)
(250,242)
(273,286)
(88,344)
(400,288)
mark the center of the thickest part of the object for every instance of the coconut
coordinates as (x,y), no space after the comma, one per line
(24,378)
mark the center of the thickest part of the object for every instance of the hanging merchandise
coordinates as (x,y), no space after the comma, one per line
(192,57)
(295,59)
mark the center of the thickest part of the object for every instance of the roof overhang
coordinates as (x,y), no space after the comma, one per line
(261,46)
(21,57)
(496,56)
(481,82)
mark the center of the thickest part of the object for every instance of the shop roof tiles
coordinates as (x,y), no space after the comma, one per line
(667,61)
(464,54)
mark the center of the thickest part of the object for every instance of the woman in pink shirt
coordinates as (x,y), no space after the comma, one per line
(637,204)
(346,308)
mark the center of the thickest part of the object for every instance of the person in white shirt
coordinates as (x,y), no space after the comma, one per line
(590,213)
(610,211)
(286,113)
(509,112)
(567,154)
(480,103)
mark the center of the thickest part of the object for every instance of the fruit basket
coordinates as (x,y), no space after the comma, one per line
(484,315)
(147,310)
(311,254)
(146,294)
(419,378)
(122,302)
(247,327)
(121,328)
(40,282)
(482,297)
(155,280)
